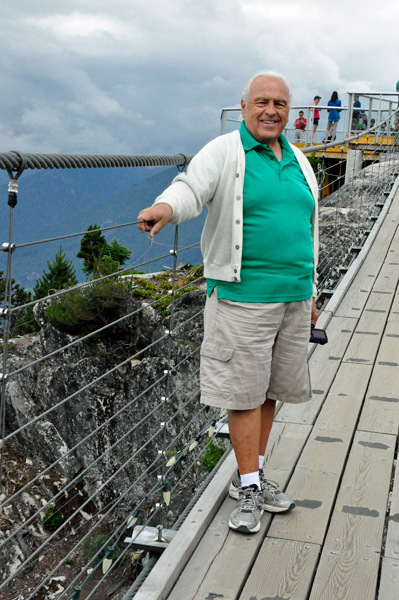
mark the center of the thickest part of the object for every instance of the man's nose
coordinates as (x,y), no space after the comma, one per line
(270,108)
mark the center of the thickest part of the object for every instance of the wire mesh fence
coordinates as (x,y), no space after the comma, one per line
(102,429)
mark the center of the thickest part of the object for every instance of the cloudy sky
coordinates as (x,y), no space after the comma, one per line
(129,76)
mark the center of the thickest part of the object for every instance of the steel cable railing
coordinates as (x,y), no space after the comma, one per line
(154,452)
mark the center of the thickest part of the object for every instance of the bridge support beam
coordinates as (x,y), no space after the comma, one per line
(354,162)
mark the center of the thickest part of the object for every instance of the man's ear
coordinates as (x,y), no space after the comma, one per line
(243,109)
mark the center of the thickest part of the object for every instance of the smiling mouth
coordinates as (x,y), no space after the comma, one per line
(269,122)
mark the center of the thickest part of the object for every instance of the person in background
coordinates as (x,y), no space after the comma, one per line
(372,123)
(333,117)
(383,130)
(361,121)
(316,115)
(260,247)
(355,114)
(300,126)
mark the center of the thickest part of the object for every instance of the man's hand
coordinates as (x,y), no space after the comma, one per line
(156,216)
(314,314)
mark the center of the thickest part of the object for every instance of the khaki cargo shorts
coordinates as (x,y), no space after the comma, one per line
(251,350)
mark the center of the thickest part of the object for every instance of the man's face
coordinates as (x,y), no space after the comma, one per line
(301,115)
(356,98)
(266,112)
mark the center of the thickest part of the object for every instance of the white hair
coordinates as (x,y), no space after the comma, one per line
(247,87)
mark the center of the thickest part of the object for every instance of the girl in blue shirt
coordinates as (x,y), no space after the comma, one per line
(333,117)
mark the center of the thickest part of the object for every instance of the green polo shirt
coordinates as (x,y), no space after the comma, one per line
(277,251)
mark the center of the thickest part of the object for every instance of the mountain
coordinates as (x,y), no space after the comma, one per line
(55,203)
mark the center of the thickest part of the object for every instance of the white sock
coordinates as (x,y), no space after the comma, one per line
(261,461)
(250,479)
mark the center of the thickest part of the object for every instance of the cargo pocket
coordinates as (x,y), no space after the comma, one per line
(216,369)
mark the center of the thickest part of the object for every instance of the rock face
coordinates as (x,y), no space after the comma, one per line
(106,438)
(120,415)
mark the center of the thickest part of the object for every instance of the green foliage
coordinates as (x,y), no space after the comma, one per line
(318,165)
(98,255)
(52,519)
(212,455)
(22,321)
(118,252)
(84,310)
(91,546)
(60,275)
(163,304)
(92,247)
(105,266)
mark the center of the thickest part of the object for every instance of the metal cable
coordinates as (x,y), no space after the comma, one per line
(11,161)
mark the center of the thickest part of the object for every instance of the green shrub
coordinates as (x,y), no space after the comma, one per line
(52,519)
(86,309)
(91,546)
(212,455)
(163,304)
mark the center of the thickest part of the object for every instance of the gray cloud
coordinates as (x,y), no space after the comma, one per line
(134,77)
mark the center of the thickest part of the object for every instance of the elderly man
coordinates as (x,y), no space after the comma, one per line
(259,245)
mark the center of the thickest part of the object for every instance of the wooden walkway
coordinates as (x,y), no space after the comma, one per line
(335,456)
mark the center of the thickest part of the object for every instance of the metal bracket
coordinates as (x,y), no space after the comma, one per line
(6,247)
(154,539)
(4,312)
(3,377)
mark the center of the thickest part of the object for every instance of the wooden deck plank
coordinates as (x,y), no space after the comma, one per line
(387,279)
(323,366)
(349,562)
(394,312)
(318,472)
(365,342)
(208,548)
(392,539)
(284,569)
(215,556)
(389,582)
(381,408)
(357,295)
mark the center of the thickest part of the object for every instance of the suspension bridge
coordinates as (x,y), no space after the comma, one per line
(121,439)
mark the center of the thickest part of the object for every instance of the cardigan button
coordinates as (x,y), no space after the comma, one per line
(237,174)
(238,222)
(238,197)
(237,247)
(235,270)
(235,279)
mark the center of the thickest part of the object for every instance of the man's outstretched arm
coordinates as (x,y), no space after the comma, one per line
(154,218)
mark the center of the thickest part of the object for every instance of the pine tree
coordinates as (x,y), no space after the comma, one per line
(118,252)
(22,321)
(98,256)
(61,275)
(92,247)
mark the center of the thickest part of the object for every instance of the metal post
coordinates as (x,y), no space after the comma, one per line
(370,113)
(390,118)
(378,119)
(350,115)
(308,126)
(168,378)
(223,118)
(6,314)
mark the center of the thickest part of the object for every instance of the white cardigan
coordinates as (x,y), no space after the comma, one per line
(215,178)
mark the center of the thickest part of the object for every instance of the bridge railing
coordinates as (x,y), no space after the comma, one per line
(123,440)
(378,107)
